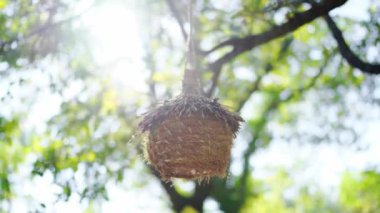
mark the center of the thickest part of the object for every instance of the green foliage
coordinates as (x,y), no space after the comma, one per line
(12,153)
(271,197)
(90,134)
(85,138)
(361,192)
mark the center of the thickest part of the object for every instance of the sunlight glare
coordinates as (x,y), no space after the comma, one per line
(117,44)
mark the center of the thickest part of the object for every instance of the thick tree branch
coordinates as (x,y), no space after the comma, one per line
(298,20)
(179,202)
(241,45)
(176,199)
(202,191)
(347,53)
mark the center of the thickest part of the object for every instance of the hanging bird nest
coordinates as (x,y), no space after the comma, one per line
(190,137)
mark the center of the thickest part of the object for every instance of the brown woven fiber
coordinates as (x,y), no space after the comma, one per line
(190,137)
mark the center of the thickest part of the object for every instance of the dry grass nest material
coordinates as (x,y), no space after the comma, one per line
(190,137)
(188,105)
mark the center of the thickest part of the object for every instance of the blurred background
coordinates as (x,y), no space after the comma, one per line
(76,76)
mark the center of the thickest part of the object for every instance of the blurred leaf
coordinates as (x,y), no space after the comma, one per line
(361,192)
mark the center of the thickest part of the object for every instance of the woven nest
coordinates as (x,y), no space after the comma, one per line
(190,137)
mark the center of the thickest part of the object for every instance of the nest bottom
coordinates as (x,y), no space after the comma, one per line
(195,147)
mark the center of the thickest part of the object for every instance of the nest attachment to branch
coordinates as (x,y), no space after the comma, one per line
(190,137)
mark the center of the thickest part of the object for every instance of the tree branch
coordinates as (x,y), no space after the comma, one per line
(277,31)
(176,199)
(178,17)
(252,146)
(347,53)
(251,90)
(202,191)
(44,28)
(241,45)
(268,68)
(179,202)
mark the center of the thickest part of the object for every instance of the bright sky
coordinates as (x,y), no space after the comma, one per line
(116,33)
